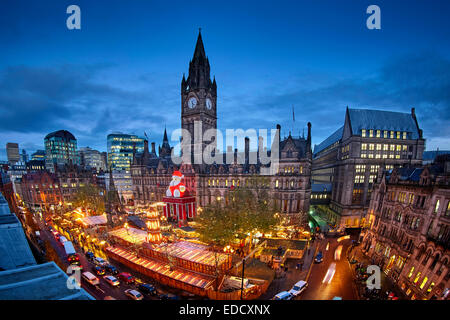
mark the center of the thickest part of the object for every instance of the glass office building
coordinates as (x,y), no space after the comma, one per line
(60,149)
(120,150)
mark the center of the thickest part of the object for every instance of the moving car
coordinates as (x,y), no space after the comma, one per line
(99,270)
(168,296)
(283,296)
(319,257)
(100,261)
(111,269)
(134,294)
(112,280)
(337,253)
(146,288)
(126,277)
(89,277)
(298,288)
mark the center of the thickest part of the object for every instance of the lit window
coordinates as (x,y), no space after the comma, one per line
(385,147)
(378,146)
(392,147)
(364,146)
(417,277)
(410,272)
(378,133)
(430,287)
(436,207)
(385,134)
(404,135)
(370,155)
(371,146)
(276,184)
(405,147)
(363,133)
(384,156)
(424,282)
(363,155)
(371,133)
(392,134)
(398,147)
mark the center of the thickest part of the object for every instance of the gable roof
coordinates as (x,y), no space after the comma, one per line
(382,120)
(334,137)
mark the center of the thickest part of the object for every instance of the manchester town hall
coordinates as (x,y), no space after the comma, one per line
(288,181)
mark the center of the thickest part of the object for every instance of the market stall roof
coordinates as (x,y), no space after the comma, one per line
(94,220)
(193,252)
(193,279)
(133,235)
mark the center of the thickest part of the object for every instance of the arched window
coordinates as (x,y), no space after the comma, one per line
(420,254)
(435,260)
(427,257)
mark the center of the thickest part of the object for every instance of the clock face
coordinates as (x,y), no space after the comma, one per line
(208,104)
(192,103)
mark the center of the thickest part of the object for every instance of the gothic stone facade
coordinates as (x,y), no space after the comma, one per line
(350,158)
(409,233)
(288,180)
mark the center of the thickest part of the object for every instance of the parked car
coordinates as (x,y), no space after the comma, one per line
(298,288)
(100,261)
(99,270)
(74,268)
(134,294)
(319,257)
(112,280)
(146,288)
(89,277)
(283,296)
(168,296)
(90,255)
(111,269)
(126,277)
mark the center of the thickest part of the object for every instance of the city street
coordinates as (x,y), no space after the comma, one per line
(102,290)
(341,283)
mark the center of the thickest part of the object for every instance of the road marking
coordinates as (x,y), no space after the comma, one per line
(312,263)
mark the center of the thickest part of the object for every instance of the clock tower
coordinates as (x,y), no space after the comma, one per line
(198,101)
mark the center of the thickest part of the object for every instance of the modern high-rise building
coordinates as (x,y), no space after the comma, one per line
(60,149)
(351,157)
(24,156)
(91,158)
(12,152)
(38,155)
(120,150)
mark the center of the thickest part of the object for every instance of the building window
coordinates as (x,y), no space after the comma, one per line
(417,277)
(363,155)
(410,272)
(364,146)
(404,135)
(363,133)
(378,134)
(385,134)
(398,134)
(371,146)
(430,287)
(378,146)
(371,133)
(392,134)
(436,207)
(424,282)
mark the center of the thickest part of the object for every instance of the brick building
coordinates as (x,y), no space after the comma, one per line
(409,234)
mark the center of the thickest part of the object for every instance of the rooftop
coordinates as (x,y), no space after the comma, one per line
(38,282)
(60,134)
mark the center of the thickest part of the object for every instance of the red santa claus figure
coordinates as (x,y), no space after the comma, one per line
(176,187)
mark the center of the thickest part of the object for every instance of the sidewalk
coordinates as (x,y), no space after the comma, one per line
(386,283)
(293,275)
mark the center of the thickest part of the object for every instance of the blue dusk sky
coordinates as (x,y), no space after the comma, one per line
(122,71)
